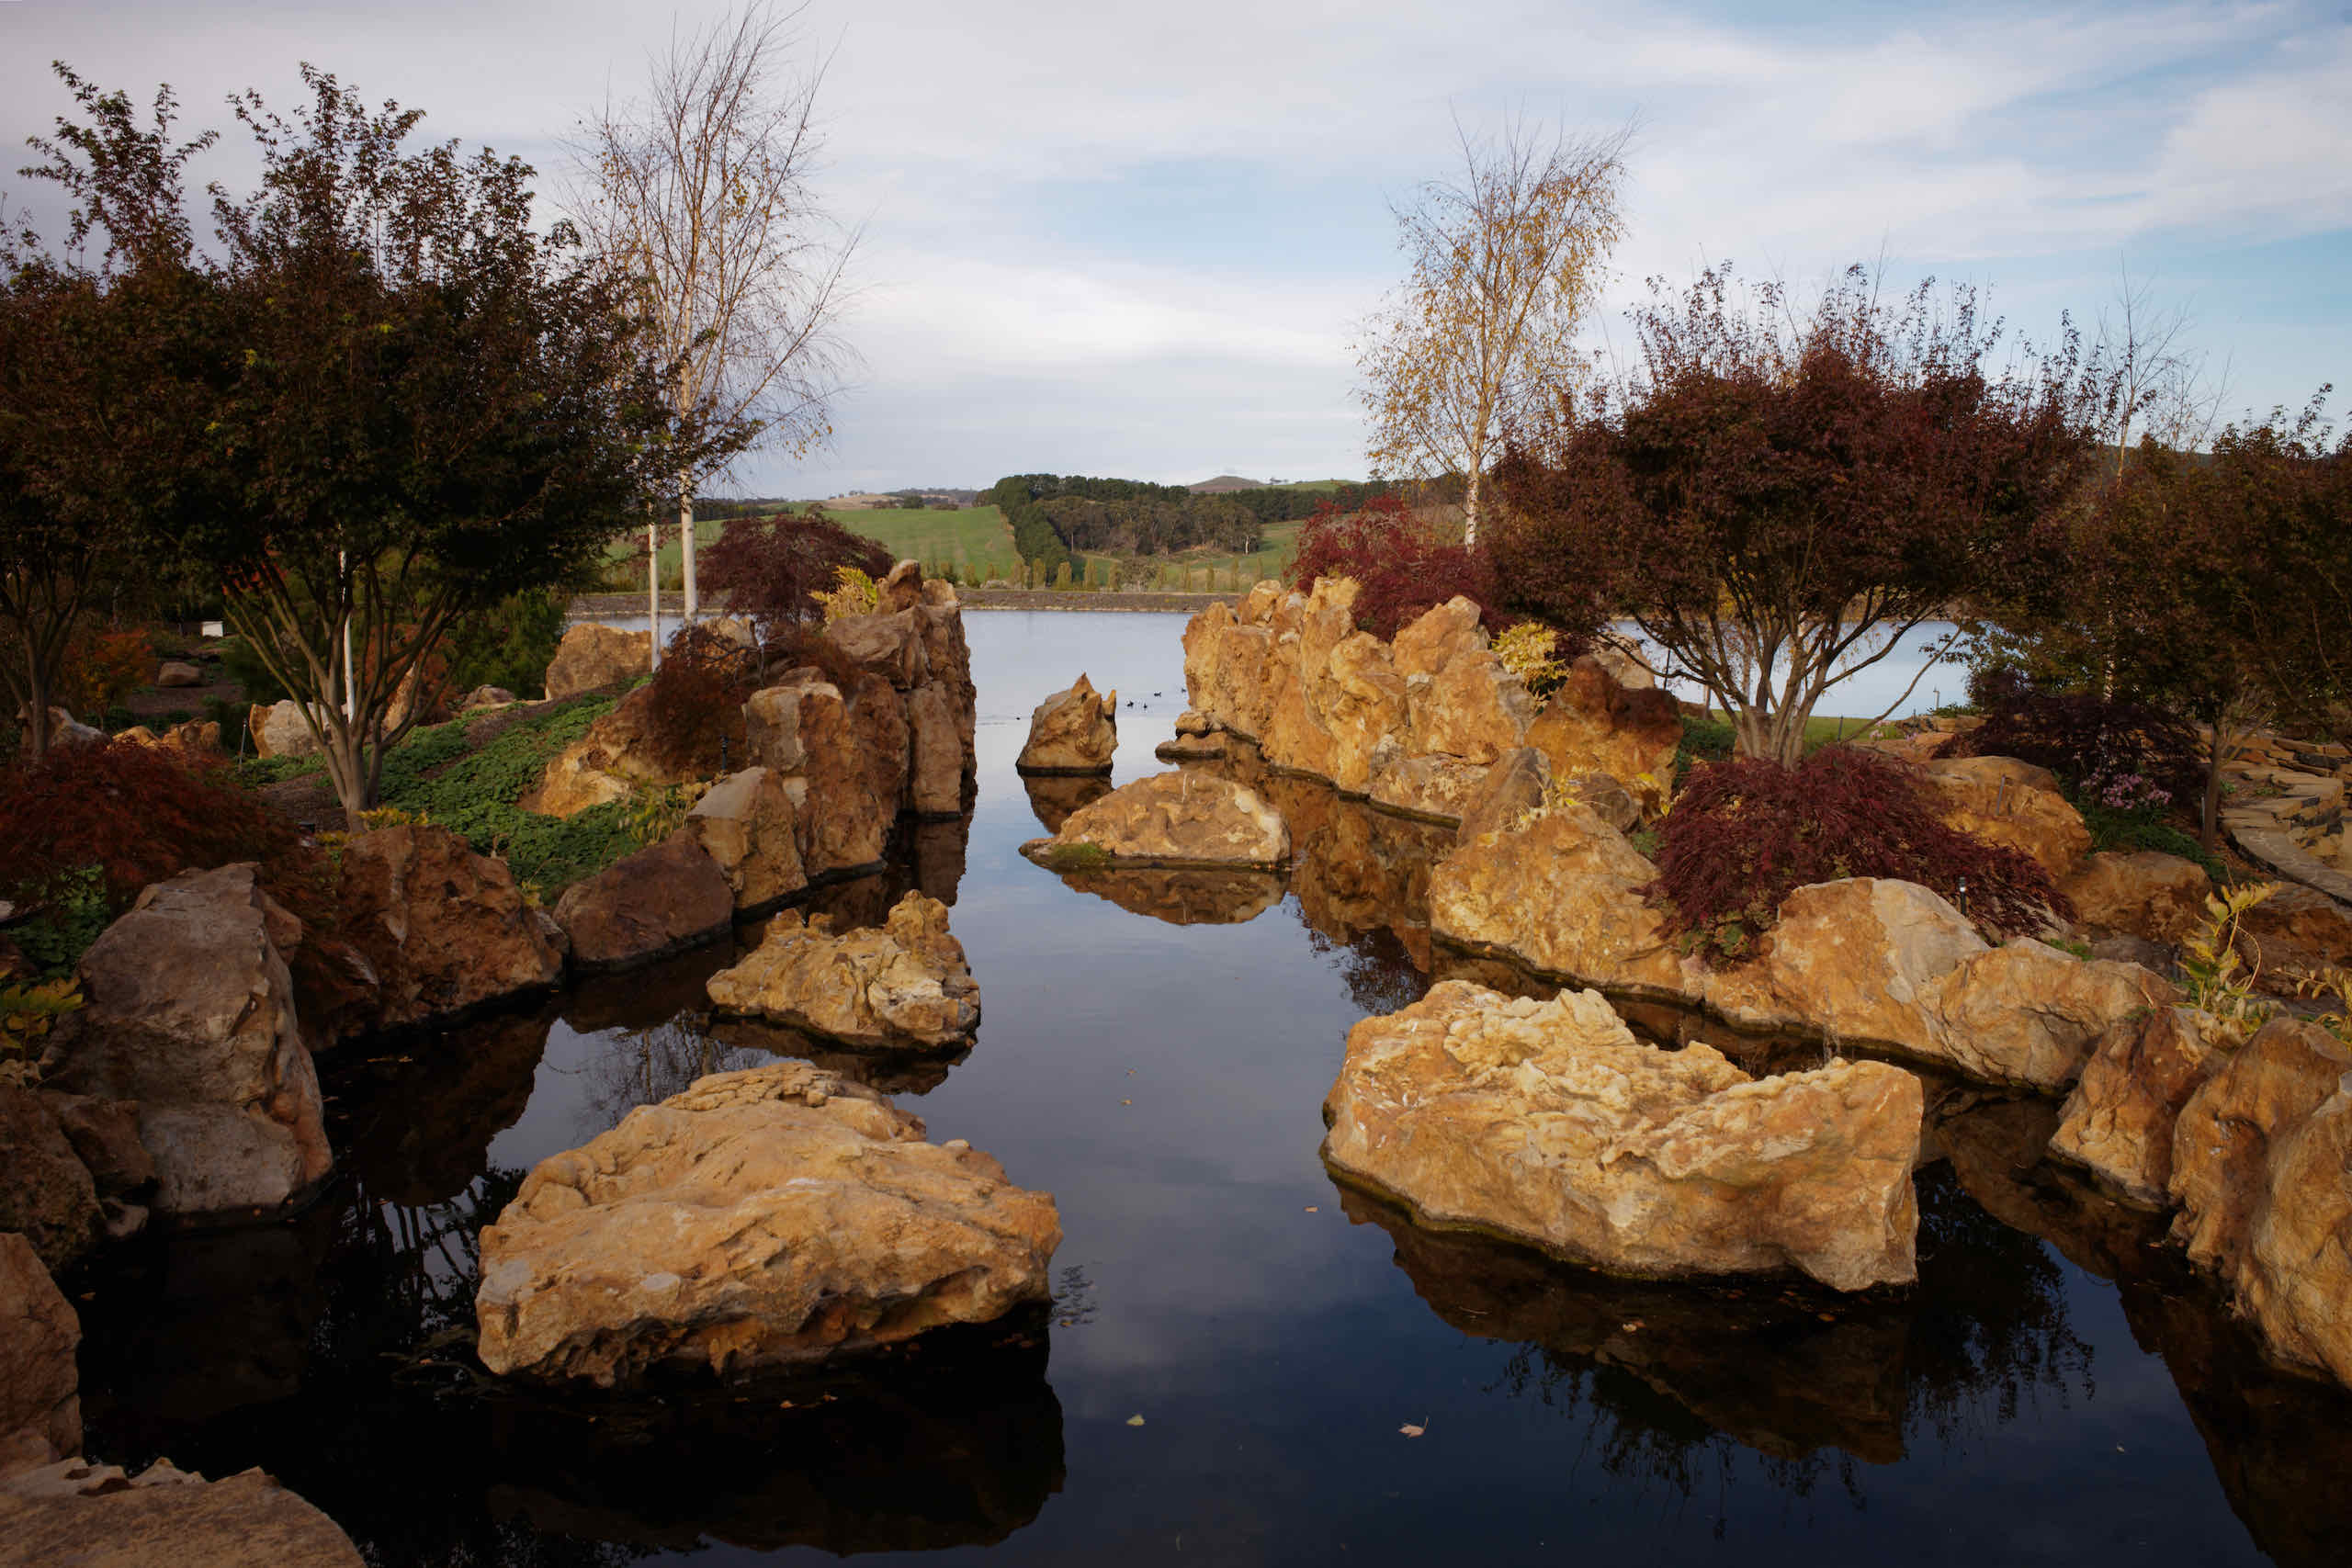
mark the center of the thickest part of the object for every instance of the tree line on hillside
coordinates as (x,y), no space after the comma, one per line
(1055,516)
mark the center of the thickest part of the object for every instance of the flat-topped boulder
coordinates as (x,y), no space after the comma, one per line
(592,657)
(646,906)
(1073,731)
(1182,819)
(1550,1124)
(903,985)
(77,1512)
(191,1013)
(762,1219)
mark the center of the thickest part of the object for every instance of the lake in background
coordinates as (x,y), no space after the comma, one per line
(2053,1392)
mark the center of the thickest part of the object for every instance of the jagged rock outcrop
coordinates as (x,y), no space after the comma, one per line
(762,1218)
(1550,1124)
(2005,801)
(591,657)
(40,1402)
(842,755)
(191,1013)
(195,737)
(77,1512)
(2120,1120)
(2262,1169)
(1180,818)
(444,929)
(617,757)
(2155,897)
(1073,731)
(904,984)
(46,1192)
(1561,891)
(1413,724)
(746,824)
(646,906)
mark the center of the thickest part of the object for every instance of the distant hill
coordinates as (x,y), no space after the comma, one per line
(1224,483)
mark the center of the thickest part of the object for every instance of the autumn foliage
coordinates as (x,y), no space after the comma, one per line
(693,708)
(1402,568)
(2094,743)
(1745,834)
(769,567)
(138,815)
(103,663)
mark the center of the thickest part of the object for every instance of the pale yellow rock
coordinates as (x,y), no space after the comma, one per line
(904,984)
(760,1219)
(1550,1124)
(2155,896)
(1073,731)
(2005,801)
(745,823)
(591,656)
(1180,818)
(2120,1120)
(1561,891)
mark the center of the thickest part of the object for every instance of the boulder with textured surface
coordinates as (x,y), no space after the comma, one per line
(1513,788)
(2146,894)
(2003,801)
(2262,1169)
(1429,785)
(646,906)
(190,1012)
(1550,1124)
(904,984)
(592,656)
(620,753)
(2296,929)
(278,730)
(174,674)
(40,1404)
(445,930)
(46,1191)
(1561,891)
(1073,731)
(93,1515)
(745,823)
(1182,819)
(2118,1122)
(844,758)
(1597,724)
(762,1218)
(1459,699)
(935,746)
(890,646)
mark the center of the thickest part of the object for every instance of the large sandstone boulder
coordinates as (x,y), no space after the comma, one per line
(762,1218)
(906,984)
(173,674)
(1459,699)
(93,1515)
(2155,897)
(444,928)
(1597,724)
(1073,731)
(2295,931)
(40,1404)
(889,646)
(1550,1124)
(646,906)
(2262,1169)
(191,1013)
(196,738)
(46,1192)
(1561,891)
(2005,801)
(1513,788)
(2118,1122)
(745,823)
(936,770)
(1429,785)
(842,757)
(615,758)
(1180,818)
(278,730)
(592,656)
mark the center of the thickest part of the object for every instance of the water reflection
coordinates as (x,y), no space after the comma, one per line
(1054,796)
(1193,896)
(886,1071)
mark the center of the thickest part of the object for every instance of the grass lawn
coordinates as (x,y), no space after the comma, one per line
(972,538)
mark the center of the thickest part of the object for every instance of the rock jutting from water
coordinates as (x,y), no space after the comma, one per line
(1550,1124)
(760,1220)
(1175,819)
(2119,1121)
(906,984)
(746,824)
(1414,725)
(1073,731)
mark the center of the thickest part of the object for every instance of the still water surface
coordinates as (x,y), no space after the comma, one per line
(2053,1392)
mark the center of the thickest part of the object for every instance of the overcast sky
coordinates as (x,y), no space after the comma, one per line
(1135,239)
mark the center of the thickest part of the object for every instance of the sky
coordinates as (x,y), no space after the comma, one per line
(1139,240)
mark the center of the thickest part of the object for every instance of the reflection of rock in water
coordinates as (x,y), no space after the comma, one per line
(1053,798)
(959,1444)
(640,1066)
(938,846)
(1757,1363)
(1184,898)
(889,1072)
(1999,1148)
(420,1126)
(653,995)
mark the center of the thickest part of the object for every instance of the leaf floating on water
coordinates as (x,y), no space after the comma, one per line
(1313,1210)
(1410,1430)
(1135,1420)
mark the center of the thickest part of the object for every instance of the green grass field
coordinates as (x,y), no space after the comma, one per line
(971,539)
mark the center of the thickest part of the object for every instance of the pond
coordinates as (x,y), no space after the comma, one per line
(1156,1053)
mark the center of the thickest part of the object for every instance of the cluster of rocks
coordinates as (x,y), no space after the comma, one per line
(1413,724)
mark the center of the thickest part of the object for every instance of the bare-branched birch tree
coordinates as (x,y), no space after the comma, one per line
(2161,385)
(1504,261)
(704,192)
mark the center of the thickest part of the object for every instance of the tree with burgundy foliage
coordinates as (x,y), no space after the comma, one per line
(1779,496)
(1402,565)
(1745,834)
(769,567)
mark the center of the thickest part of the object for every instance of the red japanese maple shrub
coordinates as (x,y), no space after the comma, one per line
(2122,755)
(768,567)
(1745,834)
(692,710)
(1403,570)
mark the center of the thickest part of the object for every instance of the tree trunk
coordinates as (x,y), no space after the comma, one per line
(37,727)
(1768,735)
(686,536)
(652,591)
(1470,508)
